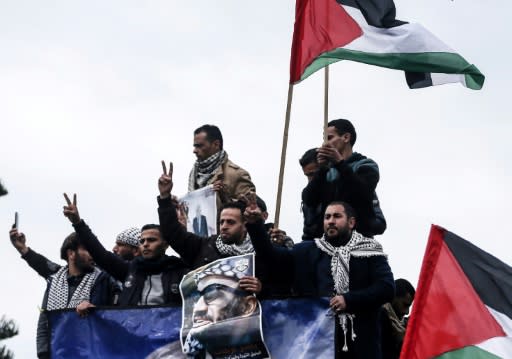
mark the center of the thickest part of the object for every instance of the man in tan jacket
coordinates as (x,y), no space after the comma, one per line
(213,167)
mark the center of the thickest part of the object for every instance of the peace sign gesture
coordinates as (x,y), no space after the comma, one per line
(71,210)
(165,181)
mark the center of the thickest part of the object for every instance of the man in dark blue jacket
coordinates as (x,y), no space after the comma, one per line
(343,265)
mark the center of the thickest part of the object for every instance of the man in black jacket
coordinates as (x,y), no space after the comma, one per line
(76,285)
(150,279)
(342,262)
(197,251)
(346,176)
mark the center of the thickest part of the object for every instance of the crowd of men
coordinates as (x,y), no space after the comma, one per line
(338,256)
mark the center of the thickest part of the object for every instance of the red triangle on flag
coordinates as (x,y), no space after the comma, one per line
(320,26)
(448,314)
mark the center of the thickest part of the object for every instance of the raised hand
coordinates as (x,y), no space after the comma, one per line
(18,240)
(278,236)
(328,153)
(249,199)
(71,210)
(252,212)
(165,181)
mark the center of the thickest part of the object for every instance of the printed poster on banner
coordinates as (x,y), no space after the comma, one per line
(221,320)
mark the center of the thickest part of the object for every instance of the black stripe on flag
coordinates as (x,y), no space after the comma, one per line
(417,80)
(378,13)
(490,277)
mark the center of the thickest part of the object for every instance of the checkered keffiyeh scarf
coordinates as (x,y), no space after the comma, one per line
(234,249)
(193,347)
(130,236)
(58,293)
(203,170)
(357,246)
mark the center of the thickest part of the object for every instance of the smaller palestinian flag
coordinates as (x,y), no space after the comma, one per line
(327,31)
(463,305)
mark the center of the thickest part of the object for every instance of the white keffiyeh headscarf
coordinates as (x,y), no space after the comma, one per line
(357,246)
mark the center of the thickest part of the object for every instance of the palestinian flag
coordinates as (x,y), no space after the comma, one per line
(327,31)
(463,305)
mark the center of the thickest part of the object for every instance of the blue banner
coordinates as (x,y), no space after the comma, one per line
(292,328)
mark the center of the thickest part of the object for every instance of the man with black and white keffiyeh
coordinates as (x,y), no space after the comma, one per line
(78,284)
(214,168)
(197,251)
(344,265)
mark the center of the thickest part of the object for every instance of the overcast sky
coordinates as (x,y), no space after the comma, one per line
(94,94)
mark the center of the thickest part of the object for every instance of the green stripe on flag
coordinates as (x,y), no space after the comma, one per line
(468,352)
(433,62)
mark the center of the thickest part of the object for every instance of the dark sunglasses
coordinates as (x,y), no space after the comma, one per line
(214,291)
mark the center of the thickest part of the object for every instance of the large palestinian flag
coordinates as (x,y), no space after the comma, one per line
(463,305)
(367,31)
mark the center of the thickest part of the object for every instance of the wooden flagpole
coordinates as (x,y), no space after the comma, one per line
(326,101)
(283,156)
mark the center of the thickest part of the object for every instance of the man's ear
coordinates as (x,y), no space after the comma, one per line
(70,254)
(251,304)
(265,215)
(216,143)
(346,137)
(351,222)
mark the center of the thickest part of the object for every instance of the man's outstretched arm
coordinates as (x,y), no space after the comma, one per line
(108,261)
(186,244)
(42,265)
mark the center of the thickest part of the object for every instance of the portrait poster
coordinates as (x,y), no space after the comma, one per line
(221,320)
(200,207)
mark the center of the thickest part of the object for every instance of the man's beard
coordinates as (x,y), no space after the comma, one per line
(127,257)
(341,238)
(83,266)
(235,238)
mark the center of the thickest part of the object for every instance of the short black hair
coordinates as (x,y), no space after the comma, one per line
(212,133)
(308,157)
(343,126)
(150,226)
(235,205)
(402,287)
(70,242)
(349,210)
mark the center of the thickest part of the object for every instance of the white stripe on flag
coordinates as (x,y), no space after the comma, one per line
(440,79)
(500,346)
(407,38)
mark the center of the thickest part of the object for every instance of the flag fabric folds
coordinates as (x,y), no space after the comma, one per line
(463,303)
(327,31)
(292,328)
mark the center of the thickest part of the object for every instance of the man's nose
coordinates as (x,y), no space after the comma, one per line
(200,305)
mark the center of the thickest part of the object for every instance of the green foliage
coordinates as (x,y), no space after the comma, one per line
(8,329)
